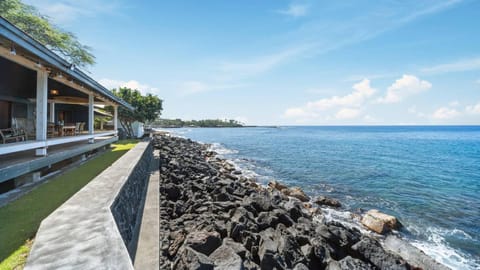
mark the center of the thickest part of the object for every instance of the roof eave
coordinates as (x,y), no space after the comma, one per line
(20,38)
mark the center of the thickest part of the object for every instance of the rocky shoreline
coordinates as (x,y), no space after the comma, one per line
(213,217)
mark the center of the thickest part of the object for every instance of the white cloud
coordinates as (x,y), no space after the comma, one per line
(444,113)
(295,10)
(473,109)
(454,103)
(349,105)
(347,113)
(263,63)
(404,87)
(133,84)
(318,36)
(362,91)
(65,11)
(457,66)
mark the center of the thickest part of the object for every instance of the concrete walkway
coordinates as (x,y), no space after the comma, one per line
(148,249)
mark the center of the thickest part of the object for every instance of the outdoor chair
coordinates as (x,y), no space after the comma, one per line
(77,128)
(51,131)
(27,125)
(82,127)
(12,135)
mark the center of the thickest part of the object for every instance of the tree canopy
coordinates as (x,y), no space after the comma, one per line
(40,27)
(176,123)
(147,108)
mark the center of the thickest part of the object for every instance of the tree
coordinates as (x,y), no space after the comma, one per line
(39,27)
(147,108)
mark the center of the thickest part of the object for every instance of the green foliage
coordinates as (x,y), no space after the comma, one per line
(41,29)
(196,123)
(147,108)
(21,218)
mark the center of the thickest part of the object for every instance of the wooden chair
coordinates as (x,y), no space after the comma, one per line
(51,131)
(12,135)
(28,125)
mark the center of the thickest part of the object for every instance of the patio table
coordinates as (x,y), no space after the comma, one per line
(68,130)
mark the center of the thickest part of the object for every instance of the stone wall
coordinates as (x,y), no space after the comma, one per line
(96,227)
(127,208)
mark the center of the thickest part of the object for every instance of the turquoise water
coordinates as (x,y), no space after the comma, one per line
(429,177)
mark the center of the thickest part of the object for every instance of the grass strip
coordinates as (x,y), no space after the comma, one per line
(20,219)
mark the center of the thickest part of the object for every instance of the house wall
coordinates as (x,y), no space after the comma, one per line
(16,81)
(74,113)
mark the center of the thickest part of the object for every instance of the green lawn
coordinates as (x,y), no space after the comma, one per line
(20,219)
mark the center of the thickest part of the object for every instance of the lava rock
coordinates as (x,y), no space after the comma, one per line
(225,258)
(322,200)
(203,242)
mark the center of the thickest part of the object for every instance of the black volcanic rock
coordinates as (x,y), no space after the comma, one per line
(213,217)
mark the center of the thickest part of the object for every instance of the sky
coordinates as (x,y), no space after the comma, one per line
(288,62)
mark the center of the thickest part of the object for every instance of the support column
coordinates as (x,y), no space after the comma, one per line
(52,112)
(115,119)
(41,110)
(91,117)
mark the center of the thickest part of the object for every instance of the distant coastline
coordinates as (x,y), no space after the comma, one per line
(209,123)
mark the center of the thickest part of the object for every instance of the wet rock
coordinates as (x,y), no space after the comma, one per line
(379,222)
(298,193)
(413,255)
(277,185)
(370,251)
(322,200)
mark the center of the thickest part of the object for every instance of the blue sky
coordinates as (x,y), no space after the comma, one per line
(288,62)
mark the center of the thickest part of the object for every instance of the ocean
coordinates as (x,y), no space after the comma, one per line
(427,176)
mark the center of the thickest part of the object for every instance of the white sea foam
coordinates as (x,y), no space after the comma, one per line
(436,247)
(222,150)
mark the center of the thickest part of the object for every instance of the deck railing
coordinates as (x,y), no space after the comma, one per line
(9,148)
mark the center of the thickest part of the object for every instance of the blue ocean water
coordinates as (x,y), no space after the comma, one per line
(427,176)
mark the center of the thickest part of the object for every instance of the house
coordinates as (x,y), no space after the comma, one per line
(47,107)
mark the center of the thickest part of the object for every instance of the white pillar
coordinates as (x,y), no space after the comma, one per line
(91,118)
(41,111)
(115,119)
(52,112)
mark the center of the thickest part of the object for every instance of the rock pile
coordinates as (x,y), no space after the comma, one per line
(212,217)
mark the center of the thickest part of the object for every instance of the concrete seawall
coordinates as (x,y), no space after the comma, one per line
(97,228)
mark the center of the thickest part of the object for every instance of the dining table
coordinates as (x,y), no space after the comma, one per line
(68,130)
